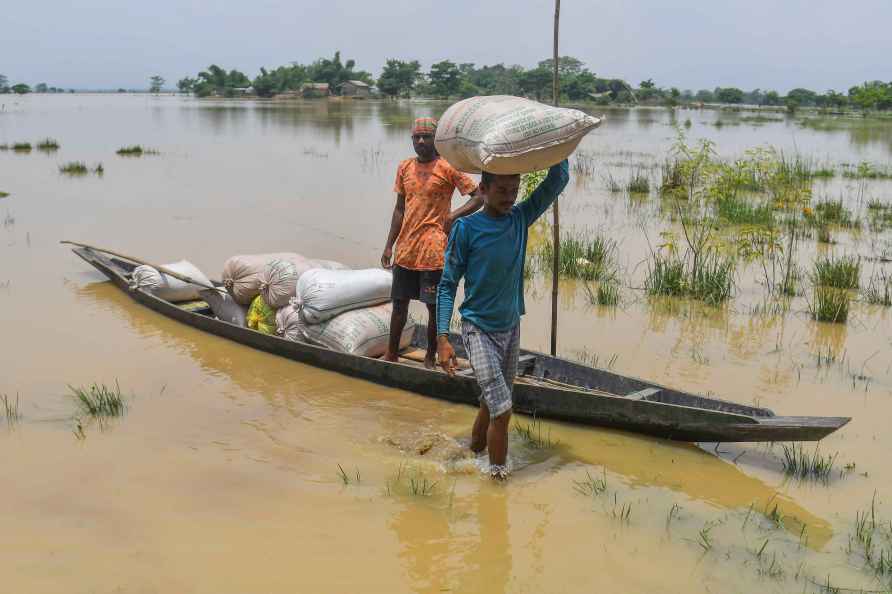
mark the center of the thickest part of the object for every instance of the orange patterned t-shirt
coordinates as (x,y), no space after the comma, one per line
(428,189)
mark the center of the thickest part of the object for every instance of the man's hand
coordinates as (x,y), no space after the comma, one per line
(446,355)
(447,226)
(386,257)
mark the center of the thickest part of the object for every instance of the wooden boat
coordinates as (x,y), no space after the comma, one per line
(547,387)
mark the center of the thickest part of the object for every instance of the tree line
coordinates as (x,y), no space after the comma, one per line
(447,79)
(23,89)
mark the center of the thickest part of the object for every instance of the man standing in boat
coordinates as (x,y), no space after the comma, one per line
(488,249)
(421,221)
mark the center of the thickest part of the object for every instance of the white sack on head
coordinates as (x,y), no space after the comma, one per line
(503,134)
(363,332)
(278,283)
(323,294)
(166,287)
(225,306)
(242,274)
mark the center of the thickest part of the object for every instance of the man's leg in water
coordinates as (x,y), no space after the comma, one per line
(497,436)
(397,324)
(479,431)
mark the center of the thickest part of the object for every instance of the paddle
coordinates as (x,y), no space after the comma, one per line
(162,269)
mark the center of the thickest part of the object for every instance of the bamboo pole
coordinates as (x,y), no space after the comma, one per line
(556,228)
(161,269)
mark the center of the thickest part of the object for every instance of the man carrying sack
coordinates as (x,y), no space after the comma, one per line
(488,249)
(419,227)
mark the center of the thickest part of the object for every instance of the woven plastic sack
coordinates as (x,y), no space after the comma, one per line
(166,287)
(243,274)
(503,134)
(324,294)
(363,332)
(225,307)
(278,282)
(261,317)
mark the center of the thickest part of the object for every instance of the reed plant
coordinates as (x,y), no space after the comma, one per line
(713,281)
(611,183)
(99,400)
(348,479)
(582,256)
(530,181)
(607,293)
(829,304)
(665,276)
(583,164)
(834,212)
(841,273)
(421,486)
(672,176)
(799,464)
(22,147)
(878,290)
(10,408)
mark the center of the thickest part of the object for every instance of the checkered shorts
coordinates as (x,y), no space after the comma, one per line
(493,357)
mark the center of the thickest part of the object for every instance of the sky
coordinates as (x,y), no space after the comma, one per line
(689,44)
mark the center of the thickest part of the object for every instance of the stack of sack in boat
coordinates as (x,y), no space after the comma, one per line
(309,300)
(344,310)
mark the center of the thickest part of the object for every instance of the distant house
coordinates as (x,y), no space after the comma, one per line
(355,88)
(243,91)
(313,90)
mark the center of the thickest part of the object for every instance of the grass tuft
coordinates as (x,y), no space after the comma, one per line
(99,400)
(840,273)
(583,257)
(606,294)
(135,150)
(878,290)
(799,464)
(531,434)
(591,486)
(665,276)
(639,183)
(22,147)
(48,145)
(74,168)
(10,408)
(829,304)
(4,194)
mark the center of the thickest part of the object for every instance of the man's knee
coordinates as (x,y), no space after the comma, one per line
(501,420)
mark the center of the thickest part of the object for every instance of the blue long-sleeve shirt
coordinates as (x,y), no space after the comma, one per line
(489,253)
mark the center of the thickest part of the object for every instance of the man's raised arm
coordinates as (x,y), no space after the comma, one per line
(547,192)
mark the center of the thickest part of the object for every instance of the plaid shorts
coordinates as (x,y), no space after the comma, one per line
(493,357)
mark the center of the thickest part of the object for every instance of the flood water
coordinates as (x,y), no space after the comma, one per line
(223,475)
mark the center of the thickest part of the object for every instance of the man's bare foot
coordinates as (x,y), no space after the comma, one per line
(430,360)
(392,357)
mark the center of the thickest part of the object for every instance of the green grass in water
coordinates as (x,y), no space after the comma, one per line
(48,145)
(22,147)
(99,400)
(665,276)
(137,150)
(841,273)
(74,168)
(829,304)
(737,211)
(799,464)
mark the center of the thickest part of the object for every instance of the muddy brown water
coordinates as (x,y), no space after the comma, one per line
(223,475)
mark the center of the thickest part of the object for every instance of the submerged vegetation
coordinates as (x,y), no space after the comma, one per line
(48,145)
(135,150)
(79,168)
(99,400)
(800,464)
